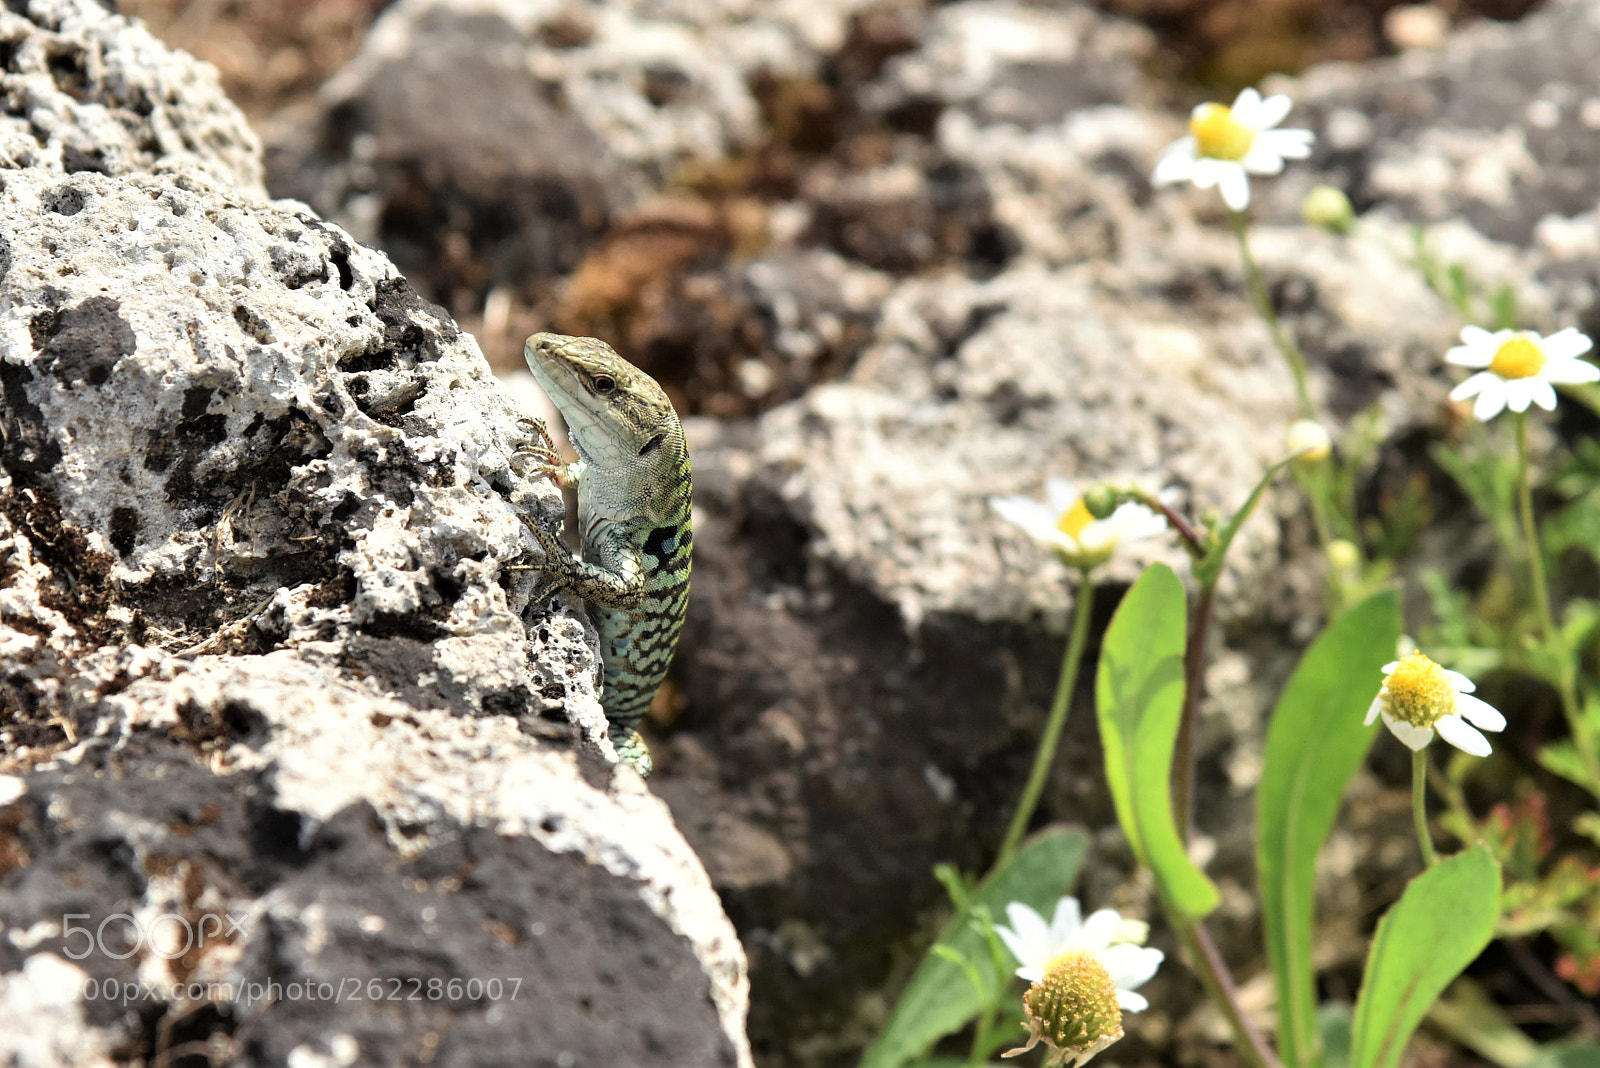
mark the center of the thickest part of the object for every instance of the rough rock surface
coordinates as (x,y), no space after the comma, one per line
(263,659)
(593,107)
(89,90)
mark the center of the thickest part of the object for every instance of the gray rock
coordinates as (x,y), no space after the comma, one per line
(523,126)
(264,658)
(1498,126)
(90,90)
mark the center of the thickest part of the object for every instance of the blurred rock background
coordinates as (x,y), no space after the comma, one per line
(893,257)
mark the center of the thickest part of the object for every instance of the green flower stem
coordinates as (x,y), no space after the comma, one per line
(981,1044)
(1213,974)
(1554,639)
(1263,302)
(1051,739)
(1183,757)
(1314,484)
(1419,804)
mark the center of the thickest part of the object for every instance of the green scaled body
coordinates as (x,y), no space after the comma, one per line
(633,483)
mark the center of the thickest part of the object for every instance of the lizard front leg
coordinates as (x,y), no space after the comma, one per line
(546,460)
(614,578)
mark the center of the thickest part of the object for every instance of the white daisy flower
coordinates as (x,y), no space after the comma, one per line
(1419,697)
(1225,145)
(1064,523)
(1084,973)
(1522,368)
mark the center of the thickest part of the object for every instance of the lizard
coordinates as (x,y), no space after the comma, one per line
(633,483)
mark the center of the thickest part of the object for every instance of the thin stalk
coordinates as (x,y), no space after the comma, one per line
(1050,740)
(1553,637)
(1263,302)
(1183,758)
(1193,540)
(1213,974)
(1314,485)
(1419,804)
(980,1034)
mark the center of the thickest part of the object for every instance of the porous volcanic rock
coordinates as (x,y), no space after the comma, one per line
(86,89)
(269,672)
(521,128)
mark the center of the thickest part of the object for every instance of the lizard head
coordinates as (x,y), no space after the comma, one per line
(617,416)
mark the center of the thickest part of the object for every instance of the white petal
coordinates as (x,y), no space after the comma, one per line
(1101,536)
(1478,337)
(1235,188)
(1208,172)
(1461,734)
(1134,521)
(1031,515)
(1470,356)
(1542,393)
(1273,110)
(1414,738)
(1290,144)
(1373,709)
(1098,931)
(1128,1001)
(1388,669)
(1246,106)
(1475,385)
(1519,393)
(1569,372)
(1262,160)
(1030,973)
(1033,934)
(1014,942)
(1491,401)
(1176,163)
(1130,967)
(1479,713)
(1566,344)
(1459,681)
(1065,925)
(1061,495)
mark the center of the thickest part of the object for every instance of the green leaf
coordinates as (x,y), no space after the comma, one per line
(1567,1055)
(1439,925)
(1208,568)
(1138,698)
(1333,1021)
(1315,742)
(1468,1015)
(940,999)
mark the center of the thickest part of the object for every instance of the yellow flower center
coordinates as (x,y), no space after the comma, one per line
(1074,1006)
(1217,135)
(1418,692)
(1075,520)
(1521,357)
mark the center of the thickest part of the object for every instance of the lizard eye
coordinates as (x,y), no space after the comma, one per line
(604,384)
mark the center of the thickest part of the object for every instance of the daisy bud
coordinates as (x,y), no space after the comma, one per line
(1308,441)
(1328,209)
(1073,1009)
(1343,554)
(1101,500)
